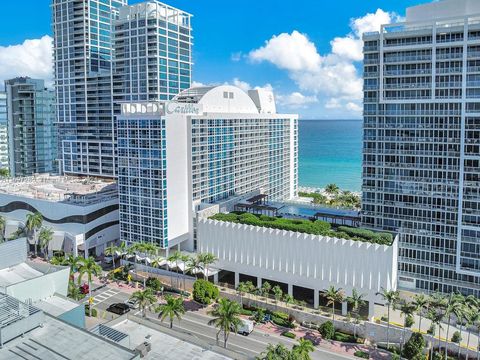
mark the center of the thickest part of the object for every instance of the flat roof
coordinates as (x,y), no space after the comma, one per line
(17,273)
(164,346)
(56,188)
(56,339)
(56,305)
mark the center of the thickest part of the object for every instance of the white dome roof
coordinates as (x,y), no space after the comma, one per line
(219,99)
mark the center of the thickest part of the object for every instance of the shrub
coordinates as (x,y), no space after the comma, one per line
(87,312)
(282,322)
(327,330)
(288,334)
(431,330)
(246,312)
(154,284)
(362,354)
(456,337)
(369,235)
(340,336)
(414,346)
(204,292)
(409,321)
(281,315)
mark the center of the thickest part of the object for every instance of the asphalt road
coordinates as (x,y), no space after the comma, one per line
(196,324)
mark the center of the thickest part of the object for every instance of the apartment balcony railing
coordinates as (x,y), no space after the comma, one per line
(473,83)
(408,86)
(451,84)
(368,61)
(408,44)
(473,54)
(407,72)
(449,70)
(419,112)
(370,74)
(449,56)
(393,59)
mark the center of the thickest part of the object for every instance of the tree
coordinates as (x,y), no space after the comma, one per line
(333,296)
(184,258)
(74,262)
(266,287)
(204,292)
(2,228)
(327,330)
(33,223)
(406,310)
(454,307)
(414,346)
(242,288)
(420,302)
(112,250)
(275,352)
(174,258)
(226,318)
(356,300)
(302,350)
(277,293)
(194,265)
(288,299)
(90,268)
(145,299)
(4,172)
(332,189)
(206,259)
(473,318)
(391,298)
(174,308)
(44,238)
(436,317)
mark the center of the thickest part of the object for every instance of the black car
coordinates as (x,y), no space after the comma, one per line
(119,308)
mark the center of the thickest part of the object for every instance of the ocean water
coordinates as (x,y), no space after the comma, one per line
(330,151)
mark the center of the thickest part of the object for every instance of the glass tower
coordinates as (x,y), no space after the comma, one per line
(83,54)
(3,131)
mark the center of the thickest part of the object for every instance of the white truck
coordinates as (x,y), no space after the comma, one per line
(246,327)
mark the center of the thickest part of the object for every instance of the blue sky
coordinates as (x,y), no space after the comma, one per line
(230,46)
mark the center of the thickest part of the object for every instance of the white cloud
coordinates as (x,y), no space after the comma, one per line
(296,100)
(197,84)
(32,58)
(241,84)
(333,75)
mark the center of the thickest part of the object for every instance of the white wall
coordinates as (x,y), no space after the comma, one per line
(310,261)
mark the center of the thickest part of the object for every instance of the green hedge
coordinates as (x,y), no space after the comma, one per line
(362,354)
(288,334)
(327,330)
(154,284)
(340,336)
(368,235)
(316,227)
(94,311)
(204,292)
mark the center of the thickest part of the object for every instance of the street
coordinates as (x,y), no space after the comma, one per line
(195,323)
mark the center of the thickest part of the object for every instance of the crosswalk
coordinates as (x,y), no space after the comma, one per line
(99,298)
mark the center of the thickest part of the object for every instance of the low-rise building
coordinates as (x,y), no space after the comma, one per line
(83,212)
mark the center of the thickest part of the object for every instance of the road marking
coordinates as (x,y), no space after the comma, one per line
(97,299)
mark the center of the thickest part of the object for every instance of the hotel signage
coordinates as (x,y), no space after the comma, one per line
(160,108)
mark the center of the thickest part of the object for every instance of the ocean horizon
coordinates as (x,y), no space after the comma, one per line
(330,151)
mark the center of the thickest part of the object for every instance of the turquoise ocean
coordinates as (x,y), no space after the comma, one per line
(330,151)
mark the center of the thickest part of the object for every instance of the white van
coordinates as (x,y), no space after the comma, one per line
(246,327)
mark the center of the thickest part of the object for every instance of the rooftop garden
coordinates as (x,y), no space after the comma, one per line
(314,227)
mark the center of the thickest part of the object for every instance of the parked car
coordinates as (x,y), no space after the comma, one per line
(246,327)
(132,303)
(119,308)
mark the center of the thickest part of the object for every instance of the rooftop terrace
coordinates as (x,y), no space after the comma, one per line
(66,189)
(314,227)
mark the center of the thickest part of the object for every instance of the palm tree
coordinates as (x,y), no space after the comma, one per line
(184,258)
(194,265)
(112,250)
(275,352)
(33,223)
(406,310)
(90,268)
(356,300)
(266,287)
(207,259)
(302,350)
(174,258)
(2,228)
(288,299)
(332,189)
(333,296)
(472,317)
(391,298)
(420,302)
(172,309)
(74,263)
(242,288)
(145,299)
(436,317)
(277,293)
(454,307)
(44,239)
(226,318)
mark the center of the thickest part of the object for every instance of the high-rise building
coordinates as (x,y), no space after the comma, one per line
(31,127)
(421,154)
(3,131)
(208,144)
(83,56)
(153,56)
